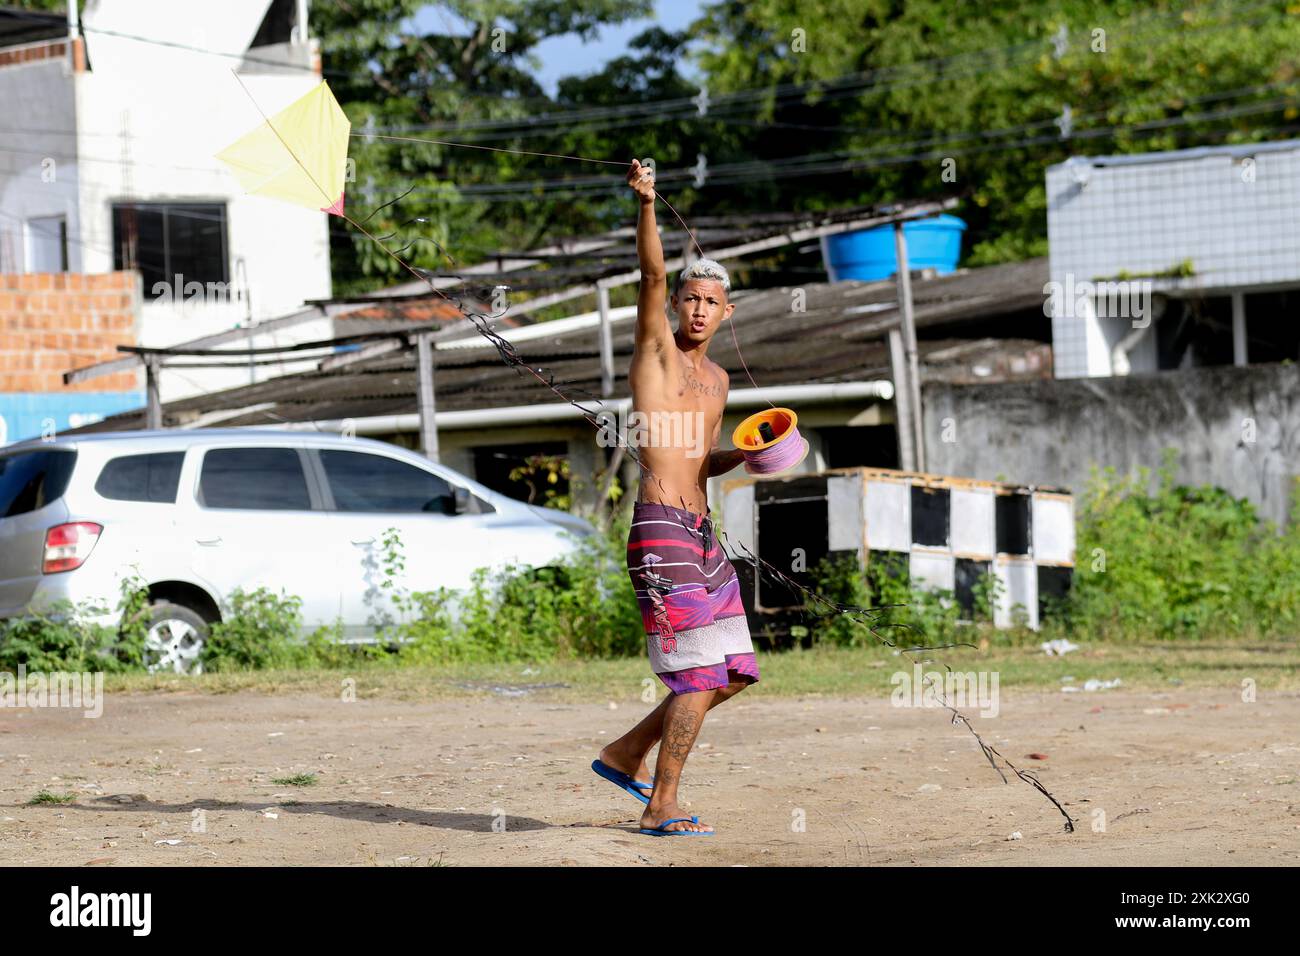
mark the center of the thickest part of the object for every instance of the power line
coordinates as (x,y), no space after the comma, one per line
(842,160)
(369,77)
(110,161)
(732,172)
(853,84)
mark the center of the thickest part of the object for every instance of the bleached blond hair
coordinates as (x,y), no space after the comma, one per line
(703,269)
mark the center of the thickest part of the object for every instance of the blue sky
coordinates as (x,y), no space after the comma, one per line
(568,55)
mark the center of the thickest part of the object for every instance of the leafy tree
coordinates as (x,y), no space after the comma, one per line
(808,106)
(476,69)
(982,83)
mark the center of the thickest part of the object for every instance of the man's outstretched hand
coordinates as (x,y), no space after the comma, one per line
(642,180)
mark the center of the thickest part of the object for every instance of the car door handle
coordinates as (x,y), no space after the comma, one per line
(361,544)
(209,542)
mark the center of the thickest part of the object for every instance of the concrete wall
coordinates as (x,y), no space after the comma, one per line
(1237,428)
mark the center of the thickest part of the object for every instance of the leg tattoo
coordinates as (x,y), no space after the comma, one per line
(680,734)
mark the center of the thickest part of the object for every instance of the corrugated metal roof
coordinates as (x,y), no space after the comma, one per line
(18,27)
(833,340)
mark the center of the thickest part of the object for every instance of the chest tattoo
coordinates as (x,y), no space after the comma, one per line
(697,387)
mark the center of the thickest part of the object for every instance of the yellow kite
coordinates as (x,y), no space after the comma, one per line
(299,155)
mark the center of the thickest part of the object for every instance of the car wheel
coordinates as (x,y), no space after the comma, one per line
(175,639)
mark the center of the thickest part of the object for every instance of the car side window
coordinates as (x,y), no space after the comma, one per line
(257,479)
(31,480)
(153,477)
(362,482)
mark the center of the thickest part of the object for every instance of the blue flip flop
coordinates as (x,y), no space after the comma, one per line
(660,831)
(622,780)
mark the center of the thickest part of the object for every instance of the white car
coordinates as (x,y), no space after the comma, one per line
(200,513)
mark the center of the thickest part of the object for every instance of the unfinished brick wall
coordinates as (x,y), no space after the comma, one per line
(51,323)
(35,52)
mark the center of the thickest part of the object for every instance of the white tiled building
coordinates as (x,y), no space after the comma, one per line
(110,128)
(1200,247)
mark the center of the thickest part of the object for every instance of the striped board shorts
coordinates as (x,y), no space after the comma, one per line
(689,596)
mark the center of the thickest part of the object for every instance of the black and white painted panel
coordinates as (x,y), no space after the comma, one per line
(947,532)
(1053,522)
(844,510)
(1019,579)
(888,507)
(972,522)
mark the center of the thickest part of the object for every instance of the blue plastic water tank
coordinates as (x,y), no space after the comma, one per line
(868,254)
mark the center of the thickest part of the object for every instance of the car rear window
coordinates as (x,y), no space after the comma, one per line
(142,477)
(362,482)
(259,479)
(30,480)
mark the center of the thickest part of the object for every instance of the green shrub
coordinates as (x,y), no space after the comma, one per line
(582,607)
(66,638)
(258,629)
(1174,563)
(880,599)
(1180,562)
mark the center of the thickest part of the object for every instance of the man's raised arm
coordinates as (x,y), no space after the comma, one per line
(652,329)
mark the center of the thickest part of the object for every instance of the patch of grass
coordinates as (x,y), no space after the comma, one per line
(831,671)
(837,672)
(46,797)
(297,780)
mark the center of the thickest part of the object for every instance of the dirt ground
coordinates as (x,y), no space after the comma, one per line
(1182,777)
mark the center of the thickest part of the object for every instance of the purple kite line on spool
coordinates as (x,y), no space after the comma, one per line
(785,454)
(778,452)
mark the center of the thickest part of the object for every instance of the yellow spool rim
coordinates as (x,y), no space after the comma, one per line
(751,423)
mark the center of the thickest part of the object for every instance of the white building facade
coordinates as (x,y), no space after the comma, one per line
(108,162)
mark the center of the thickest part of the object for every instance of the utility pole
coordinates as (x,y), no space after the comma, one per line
(424,379)
(606,343)
(902,401)
(153,412)
(909,344)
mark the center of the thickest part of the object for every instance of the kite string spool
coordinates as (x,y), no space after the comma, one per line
(770,441)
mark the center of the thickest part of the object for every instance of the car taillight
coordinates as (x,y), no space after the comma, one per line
(67,546)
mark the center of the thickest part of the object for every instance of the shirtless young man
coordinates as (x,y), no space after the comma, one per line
(696,633)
